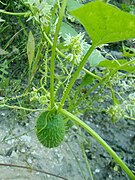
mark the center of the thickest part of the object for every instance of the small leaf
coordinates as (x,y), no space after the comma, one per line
(72,4)
(88,79)
(67,29)
(30,48)
(3,71)
(95,58)
(105,23)
(117,64)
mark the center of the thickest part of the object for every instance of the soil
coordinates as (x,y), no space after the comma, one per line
(19,145)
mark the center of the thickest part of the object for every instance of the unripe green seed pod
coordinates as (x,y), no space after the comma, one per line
(50,129)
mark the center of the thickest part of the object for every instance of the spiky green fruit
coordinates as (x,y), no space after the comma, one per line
(50,129)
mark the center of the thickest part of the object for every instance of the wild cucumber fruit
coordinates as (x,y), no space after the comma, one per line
(50,129)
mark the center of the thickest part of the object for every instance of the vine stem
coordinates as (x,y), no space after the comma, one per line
(20,107)
(12,13)
(33,169)
(76,75)
(92,74)
(100,141)
(54,52)
(3,3)
(131,118)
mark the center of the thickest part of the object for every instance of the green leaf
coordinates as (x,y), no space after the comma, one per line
(88,79)
(30,48)
(95,58)
(117,64)
(105,23)
(73,4)
(67,29)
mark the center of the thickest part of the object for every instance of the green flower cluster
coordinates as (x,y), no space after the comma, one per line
(124,110)
(40,11)
(76,47)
